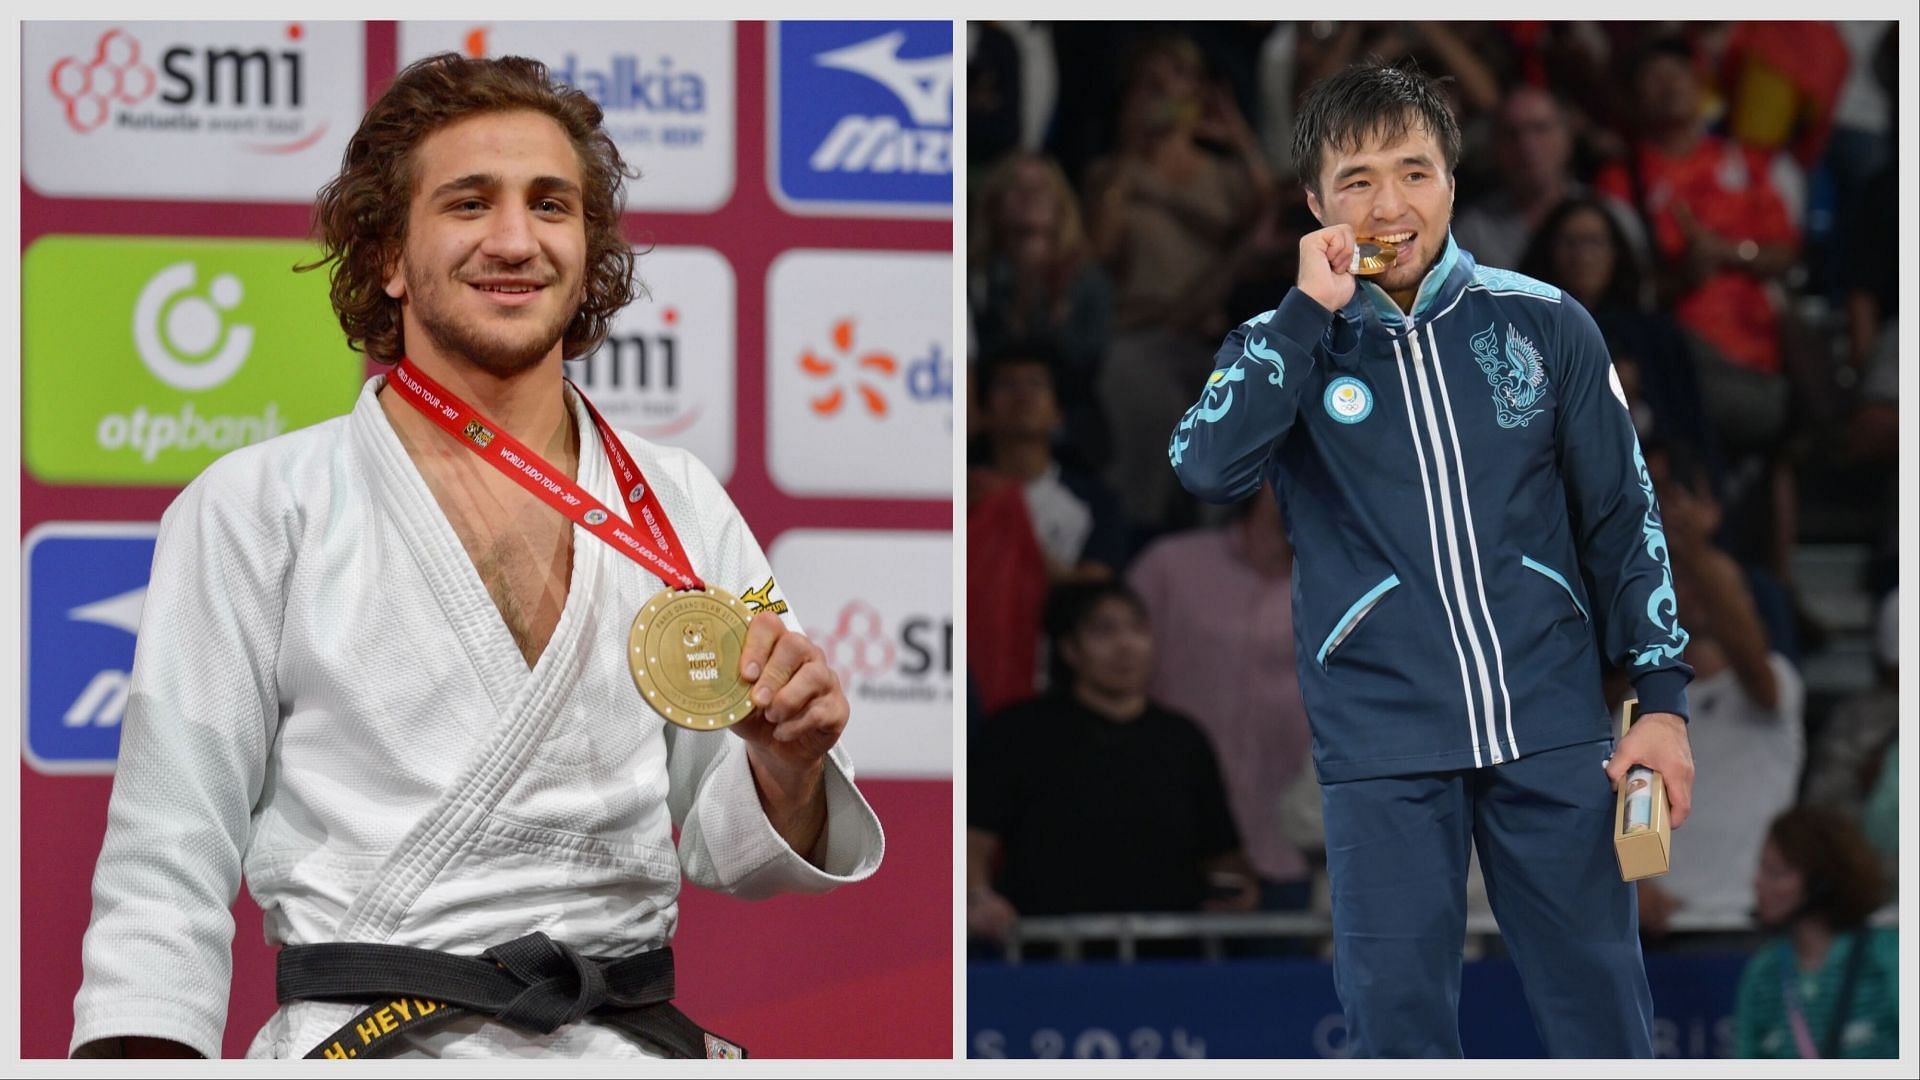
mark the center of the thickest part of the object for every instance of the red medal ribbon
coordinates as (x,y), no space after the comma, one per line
(659,551)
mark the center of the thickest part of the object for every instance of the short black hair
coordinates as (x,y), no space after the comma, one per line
(1013,355)
(1674,46)
(1068,609)
(1369,100)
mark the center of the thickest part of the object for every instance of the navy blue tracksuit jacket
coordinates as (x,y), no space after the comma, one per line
(1470,511)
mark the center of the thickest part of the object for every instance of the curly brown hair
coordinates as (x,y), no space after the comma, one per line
(360,216)
(1843,883)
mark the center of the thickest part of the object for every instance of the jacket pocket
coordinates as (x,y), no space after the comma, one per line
(1351,620)
(1554,576)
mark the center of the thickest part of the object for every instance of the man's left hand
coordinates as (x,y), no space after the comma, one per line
(1659,741)
(798,714)
(799,709)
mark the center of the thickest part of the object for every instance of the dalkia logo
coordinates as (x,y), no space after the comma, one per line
(626,82)
(179,375)
(255,91)
(924,88)
(870,369)
(868,373)
(909,662)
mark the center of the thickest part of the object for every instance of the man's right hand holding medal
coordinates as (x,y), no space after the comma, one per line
(1326,266)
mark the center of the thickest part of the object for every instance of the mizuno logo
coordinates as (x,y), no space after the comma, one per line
(924,86)
(120,612)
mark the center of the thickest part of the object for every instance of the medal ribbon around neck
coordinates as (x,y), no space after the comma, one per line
(659,551)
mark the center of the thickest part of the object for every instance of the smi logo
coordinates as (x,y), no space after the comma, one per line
(195,88)
(640,371)
(881,144)
(928,378)
(115,75)
(898,664)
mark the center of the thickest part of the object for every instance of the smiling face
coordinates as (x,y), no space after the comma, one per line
(1398,191)
(1111,650)
(495,254)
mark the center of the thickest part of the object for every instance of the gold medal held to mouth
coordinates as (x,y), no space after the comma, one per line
(684,651)
(1373,257)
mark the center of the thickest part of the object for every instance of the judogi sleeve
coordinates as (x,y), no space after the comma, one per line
(1616,520)
(726,842)
(201,712)
(1250,401)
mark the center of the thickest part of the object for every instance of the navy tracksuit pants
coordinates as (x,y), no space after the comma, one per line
(1397,851)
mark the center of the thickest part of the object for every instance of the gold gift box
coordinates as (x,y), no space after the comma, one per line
(1646,852)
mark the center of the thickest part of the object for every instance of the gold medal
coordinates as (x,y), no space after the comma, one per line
(1373,257)
(684,650)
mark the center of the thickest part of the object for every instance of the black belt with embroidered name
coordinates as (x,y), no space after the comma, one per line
(533,983)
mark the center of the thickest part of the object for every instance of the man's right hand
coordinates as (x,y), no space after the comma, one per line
(1326,266)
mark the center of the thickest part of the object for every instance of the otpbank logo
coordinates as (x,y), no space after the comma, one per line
(665,89)
(860,373)
(143,360)
(252,111)
(82,592)
(862,117)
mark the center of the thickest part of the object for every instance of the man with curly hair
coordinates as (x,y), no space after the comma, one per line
(386,677)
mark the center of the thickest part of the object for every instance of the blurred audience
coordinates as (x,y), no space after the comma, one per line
(1235,675)
(1721,231)
(1033,521)
(1724,238)
(1829,985)
(1747,723)
(1180,209)
(1855,765)
(1533,144)
(1032,280)
(1094,797)
(1581,247)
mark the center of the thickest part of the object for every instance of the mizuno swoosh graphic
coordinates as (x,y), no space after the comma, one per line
(924,86)
(120,612)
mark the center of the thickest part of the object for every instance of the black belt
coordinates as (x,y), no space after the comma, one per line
(533,983)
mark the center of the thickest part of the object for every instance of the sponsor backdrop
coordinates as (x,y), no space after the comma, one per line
(793,218)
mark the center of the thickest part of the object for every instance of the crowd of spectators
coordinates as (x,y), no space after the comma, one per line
(1716,194)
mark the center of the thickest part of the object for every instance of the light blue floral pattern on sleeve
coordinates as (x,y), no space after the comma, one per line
(1218,398)
(1662,607)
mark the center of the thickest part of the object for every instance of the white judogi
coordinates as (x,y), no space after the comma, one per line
(325,696)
